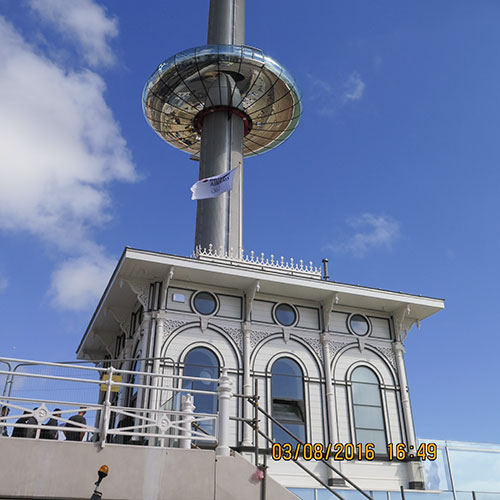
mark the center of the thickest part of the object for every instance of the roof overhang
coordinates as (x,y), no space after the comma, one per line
(153,266)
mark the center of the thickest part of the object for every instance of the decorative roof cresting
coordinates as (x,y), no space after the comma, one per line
(254,261)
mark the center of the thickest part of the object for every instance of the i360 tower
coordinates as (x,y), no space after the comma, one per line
(325,358)
(222,102)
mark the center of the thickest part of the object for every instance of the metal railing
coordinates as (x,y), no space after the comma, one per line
(162,413)
(33,404)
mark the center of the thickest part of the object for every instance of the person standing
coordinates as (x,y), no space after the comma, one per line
(52,422)
(78,419)
(20,432)
(31,431)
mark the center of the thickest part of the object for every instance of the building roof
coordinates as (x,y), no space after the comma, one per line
(136,266)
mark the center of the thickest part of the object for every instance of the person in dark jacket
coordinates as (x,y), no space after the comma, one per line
(23,432)
(31,431)
(79,419)
(52,422)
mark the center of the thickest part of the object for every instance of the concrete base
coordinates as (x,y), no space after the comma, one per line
(67,470)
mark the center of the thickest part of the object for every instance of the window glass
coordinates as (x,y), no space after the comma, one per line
(472,470)
(463,495)
(287,410)
(359,324)
(367,409)
(366,436)
(368,416)
(363,374)
(280,436)
(367,394)
(134,379)
(287,379)
(437,473)
(205,303)
(287,389)
(201,362)
(303,493)
(285,314)
(487,496)
(379,495)
(346,494)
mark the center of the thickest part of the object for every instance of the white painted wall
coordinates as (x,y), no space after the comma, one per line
(270,341)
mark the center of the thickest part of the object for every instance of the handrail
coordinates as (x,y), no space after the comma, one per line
(157,424)
(103,370)
(7,378)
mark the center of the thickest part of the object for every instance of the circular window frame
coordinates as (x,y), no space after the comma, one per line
(275,318)
(351,330)
(214,296)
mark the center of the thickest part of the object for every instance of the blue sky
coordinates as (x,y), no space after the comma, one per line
(392,173)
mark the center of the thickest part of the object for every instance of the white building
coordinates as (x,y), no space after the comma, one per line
(327,357)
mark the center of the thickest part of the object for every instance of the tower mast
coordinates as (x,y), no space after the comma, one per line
(219,220)
(221,102)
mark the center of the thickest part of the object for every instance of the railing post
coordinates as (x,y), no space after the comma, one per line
(256,422)
(224,394)
(104,423)
(247,380)
(187,408)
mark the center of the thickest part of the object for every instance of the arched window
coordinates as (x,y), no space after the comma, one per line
(367,409)
(202,362)
(119,345)
(287,392)
(134,378)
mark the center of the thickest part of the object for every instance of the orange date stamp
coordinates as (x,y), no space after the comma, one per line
(348,451)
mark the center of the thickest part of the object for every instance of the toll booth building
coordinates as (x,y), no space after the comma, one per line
(325,359)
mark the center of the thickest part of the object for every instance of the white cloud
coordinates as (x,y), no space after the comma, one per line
(353,88)
(321,86)
(332,95)
(83,22)
(4,283)
(60,146)
(79,282)
(373,231)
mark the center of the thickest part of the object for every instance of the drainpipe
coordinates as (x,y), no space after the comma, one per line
(247,384)
(415,471)
(155,381)
(333,479)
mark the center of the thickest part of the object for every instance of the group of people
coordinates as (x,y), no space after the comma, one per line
(48,433)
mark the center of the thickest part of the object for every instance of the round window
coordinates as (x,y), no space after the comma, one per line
(205,303)
(358,324)
(285,314)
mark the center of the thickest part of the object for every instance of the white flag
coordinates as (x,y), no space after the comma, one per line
(213,186)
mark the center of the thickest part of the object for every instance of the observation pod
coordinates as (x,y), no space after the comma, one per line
(238,79)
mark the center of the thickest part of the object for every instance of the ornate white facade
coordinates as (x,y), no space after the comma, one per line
(148,311)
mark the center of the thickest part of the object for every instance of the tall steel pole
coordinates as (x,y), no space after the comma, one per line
(226,22)
(220,102)
(219,220)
